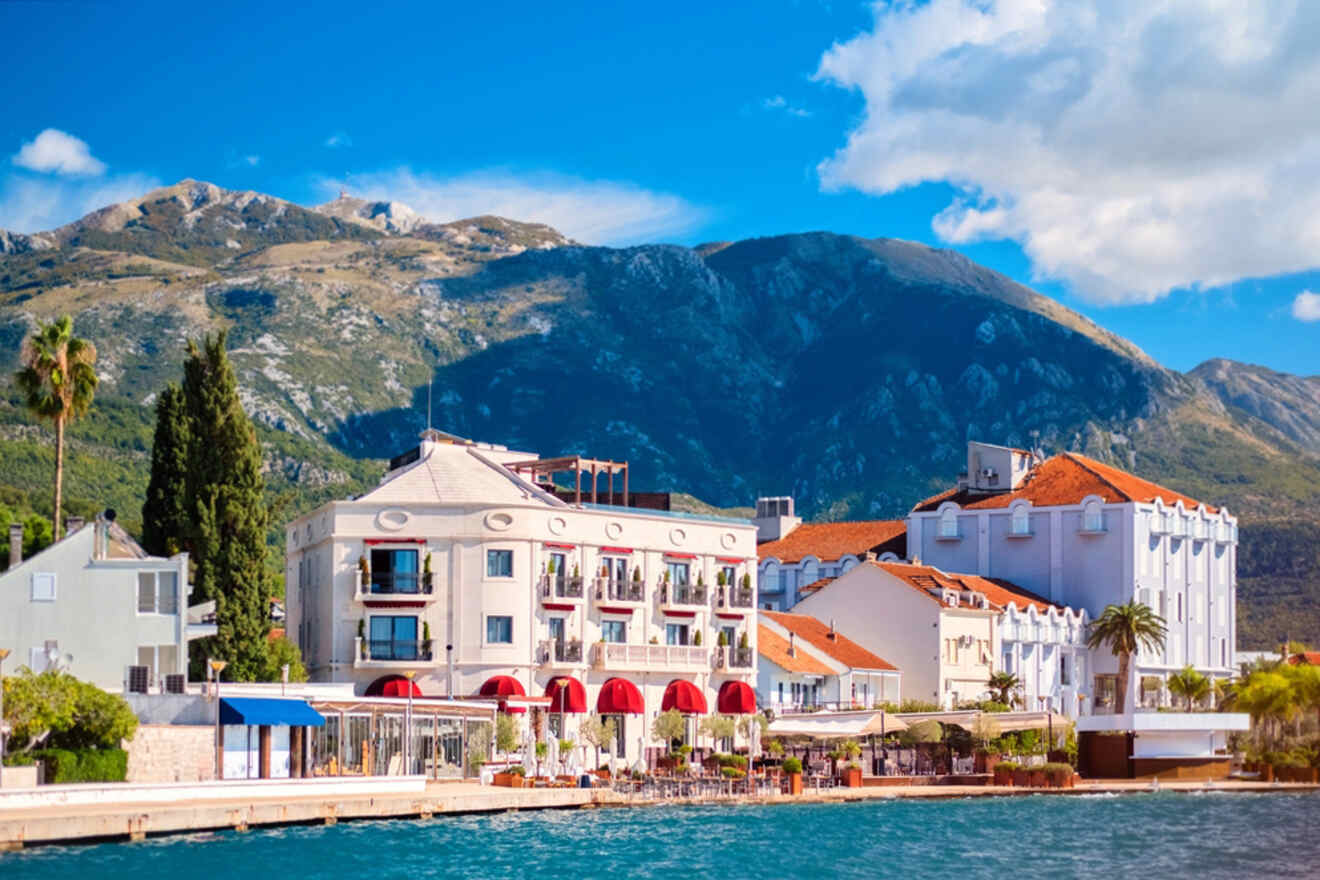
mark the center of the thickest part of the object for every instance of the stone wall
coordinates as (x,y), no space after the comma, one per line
(171,753)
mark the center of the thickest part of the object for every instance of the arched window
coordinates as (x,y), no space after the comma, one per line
(1021,524)
(1093,518)
(949,523)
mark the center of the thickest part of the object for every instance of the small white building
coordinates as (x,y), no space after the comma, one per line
(95,604)
(1045,647)
(468,568)
(803,558)
(805,664)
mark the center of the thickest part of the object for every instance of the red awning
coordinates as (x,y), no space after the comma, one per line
(619,696)
(392,686)
(736,698)
(684,696)
(570,697)
(503,686)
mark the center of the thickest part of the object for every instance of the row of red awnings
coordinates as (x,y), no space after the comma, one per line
(618,696)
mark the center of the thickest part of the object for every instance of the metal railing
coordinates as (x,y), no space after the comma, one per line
(560,586)
(733,657)
(393,650)
(612,590)
(396,583)
(682,594)
(553,650)
(735,597)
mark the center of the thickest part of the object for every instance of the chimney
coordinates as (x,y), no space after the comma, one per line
(15,544)
(792,645)
(72,524)
(832,636)
(869,556)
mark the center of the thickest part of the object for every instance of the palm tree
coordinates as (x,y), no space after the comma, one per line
(1003,684)
(1270,699)
(1189,684)
(1125,629)
(57,381)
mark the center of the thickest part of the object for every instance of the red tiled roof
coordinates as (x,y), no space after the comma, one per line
(998,591)
(1311,658)
(774,647)
(835,645)
(815,585)
(1066,479)
(834,540)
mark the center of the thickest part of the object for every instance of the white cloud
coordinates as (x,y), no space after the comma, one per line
(1130,147)
(1306,306)
(252,161)
(55,151)
(779,102)
(338,139)
(31,204)
(590,211)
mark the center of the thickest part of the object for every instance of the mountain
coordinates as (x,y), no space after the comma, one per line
(848,372)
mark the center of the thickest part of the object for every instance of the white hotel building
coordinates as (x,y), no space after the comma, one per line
(1086,535)
(467,568)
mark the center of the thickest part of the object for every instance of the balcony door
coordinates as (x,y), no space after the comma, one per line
(557,635)
(676,634)
(394,638)
(394,571)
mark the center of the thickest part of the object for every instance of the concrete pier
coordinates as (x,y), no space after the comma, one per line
(128,813)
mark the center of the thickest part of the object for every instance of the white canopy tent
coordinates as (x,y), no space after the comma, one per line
(836,725)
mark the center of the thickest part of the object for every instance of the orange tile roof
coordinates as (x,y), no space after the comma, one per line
(774,647)
(834,540)
(1066,478)
(815,585)
(1311,658)
(998,591)
(836,645)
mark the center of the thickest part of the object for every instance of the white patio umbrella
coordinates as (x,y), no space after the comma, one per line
(640,766)
(552,755)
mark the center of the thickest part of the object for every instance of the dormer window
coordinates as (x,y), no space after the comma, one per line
(1021,521)
(1093,517)
(949,523)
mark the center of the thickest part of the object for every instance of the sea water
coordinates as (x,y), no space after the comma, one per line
(1150,836)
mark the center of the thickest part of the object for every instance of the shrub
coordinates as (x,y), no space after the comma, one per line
(84,765)
(519,770)
(792,765)
(732,773)
(1008,766)
(1054,768)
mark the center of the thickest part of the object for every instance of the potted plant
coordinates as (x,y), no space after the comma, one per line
(1004,771)
(426,638)
(636,594)
(542,749)
(362,638)
(1021,776)
(1037,777)
(696,638)
(850,774)
(364,572)
(1058,774)
(793,770)
(426,571)
(746,591)
(512,777)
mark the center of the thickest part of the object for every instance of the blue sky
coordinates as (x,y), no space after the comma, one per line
(1055,148)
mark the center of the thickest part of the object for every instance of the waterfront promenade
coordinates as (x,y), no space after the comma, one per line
(44,817)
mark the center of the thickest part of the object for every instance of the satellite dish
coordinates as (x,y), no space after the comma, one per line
(110,514)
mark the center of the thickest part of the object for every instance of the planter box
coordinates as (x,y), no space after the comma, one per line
(1022,777)
(1037,779)
(851,777)
(795,783)
(1003,776)
(603,774)
(1059,780)
(986,763)
(509,780)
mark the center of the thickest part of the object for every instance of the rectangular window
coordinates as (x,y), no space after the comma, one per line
(146,592)
(615,568)
(167,659)
(43,586)
(678,573)
(394,571)
(557,630)
(147,657)
(1180,609)
(781,692)
(615,631)
(1106,688)
(730,635)
(499,628)
(1065,678)
(730,574)
(393,638)
(167,592)
(676,634)
(499,563)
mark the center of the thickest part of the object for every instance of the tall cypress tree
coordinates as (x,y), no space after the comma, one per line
(225,494)
(165,519)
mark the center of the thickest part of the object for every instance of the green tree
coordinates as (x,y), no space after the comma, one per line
(718,727)
(669,727)
(1271,701)
(56,710)
(57,381)
(1004,684)
(506,733)
(598,732)
(1189,684)
(225,495)
(165,520)
(279,652)
(1125,629)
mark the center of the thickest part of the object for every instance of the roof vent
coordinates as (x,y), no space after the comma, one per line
(832,634)
(792,645)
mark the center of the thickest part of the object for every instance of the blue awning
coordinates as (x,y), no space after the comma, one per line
(256,712)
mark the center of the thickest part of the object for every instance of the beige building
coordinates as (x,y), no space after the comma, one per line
(941,629)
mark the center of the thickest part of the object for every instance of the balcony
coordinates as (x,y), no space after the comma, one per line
(553,652)
(388,653)
(560,588)
(730,596)
(610,591)
(390,586)
(732,657)
(612,656)
(686,597)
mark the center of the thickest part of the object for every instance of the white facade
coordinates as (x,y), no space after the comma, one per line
(807,677)
(1093,552)
(487,603)
(779,584)
(1047,652)
(93,604)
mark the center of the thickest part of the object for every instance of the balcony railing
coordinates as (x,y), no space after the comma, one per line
(560,586)
(682,594)
(393,651)
(734,597)
(612,590)
(396,583)
(733,657)
(613,655)
(555,651)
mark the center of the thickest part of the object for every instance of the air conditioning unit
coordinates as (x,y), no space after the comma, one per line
(176,684)
(139,679)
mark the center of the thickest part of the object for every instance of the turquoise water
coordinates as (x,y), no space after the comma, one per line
(1147,835)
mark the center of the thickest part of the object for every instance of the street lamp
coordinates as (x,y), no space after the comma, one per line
(407,725)
(217,667)
(4,653)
